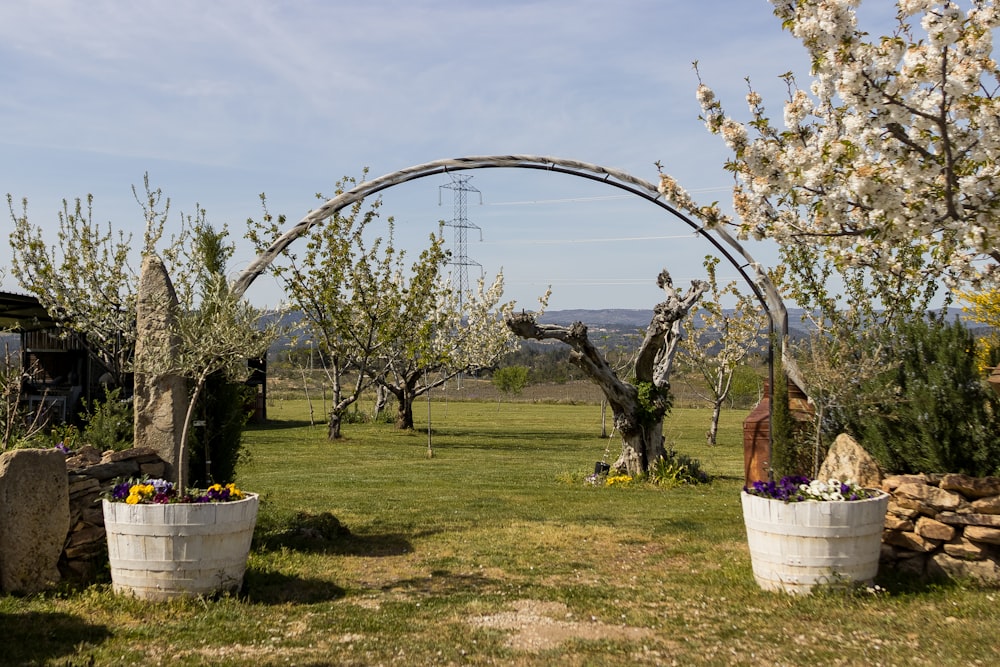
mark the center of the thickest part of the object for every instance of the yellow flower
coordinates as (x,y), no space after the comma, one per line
(233,491)
(133,498)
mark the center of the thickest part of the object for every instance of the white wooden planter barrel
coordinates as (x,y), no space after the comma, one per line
(158,552)
(797,546)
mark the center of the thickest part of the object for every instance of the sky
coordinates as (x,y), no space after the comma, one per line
(221,101)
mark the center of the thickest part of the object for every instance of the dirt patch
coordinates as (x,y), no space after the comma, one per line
(538,626)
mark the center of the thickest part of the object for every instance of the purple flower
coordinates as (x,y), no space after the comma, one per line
(796,488)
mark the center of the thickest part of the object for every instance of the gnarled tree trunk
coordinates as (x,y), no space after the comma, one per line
(638,408)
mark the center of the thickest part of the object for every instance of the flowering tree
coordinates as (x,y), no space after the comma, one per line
(890,161)
(882,174)
(377,320)
(716,342)
(335,283)
(435,336)
(85,280)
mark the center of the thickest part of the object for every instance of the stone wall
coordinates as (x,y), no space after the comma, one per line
(91,474)
(943,526)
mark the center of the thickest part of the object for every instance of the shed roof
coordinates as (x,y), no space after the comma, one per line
(22,312)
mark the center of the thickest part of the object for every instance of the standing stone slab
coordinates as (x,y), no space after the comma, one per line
(847,460)
(34,518)
(160,398)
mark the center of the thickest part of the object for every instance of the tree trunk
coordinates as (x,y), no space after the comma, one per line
(641,448)
(713,426)
(381,398)
(405,393)
(638,408)
(640,425)
(333,425)
(404,411)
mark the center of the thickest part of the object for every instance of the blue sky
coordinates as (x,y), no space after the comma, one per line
(221,101)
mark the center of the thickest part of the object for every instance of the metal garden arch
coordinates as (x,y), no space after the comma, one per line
(724,243)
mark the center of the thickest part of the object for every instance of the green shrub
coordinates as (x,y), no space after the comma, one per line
(674,469)
(511,380)
(943,417)
(108,423)
(215,446)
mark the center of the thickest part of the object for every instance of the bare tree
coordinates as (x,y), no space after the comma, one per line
(638,406)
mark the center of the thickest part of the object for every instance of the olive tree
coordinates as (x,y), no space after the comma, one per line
(639,403)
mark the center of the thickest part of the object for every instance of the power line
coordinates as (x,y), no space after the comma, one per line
(621,239)
(574,200)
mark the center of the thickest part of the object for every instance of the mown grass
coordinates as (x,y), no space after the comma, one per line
(494,551)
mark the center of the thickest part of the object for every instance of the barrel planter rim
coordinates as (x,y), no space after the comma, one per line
(164,551)
(796,547)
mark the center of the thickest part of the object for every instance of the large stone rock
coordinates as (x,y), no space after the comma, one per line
(953,519)
(983,534)
(160,398)
(934,530)
(895,522)
(34,518)
(989,505)
(931,496)
(909,540)
(971,487)
(941,565)
(891,482)
(964,549)
(847,460)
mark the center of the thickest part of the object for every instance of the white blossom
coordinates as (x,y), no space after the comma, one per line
(894,148)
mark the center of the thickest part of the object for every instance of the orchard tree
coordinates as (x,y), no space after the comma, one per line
(640,403)
(717,341)
(436,336)
(377,320)
(338,285)
(84,280)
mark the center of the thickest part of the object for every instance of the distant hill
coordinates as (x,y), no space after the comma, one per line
(629,319)
(613,318)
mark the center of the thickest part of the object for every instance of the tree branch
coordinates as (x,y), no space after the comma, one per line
(656,353)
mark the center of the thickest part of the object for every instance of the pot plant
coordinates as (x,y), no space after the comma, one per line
(163,544)
(805,533)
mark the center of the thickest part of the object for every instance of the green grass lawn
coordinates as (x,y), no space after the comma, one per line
(493,550)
